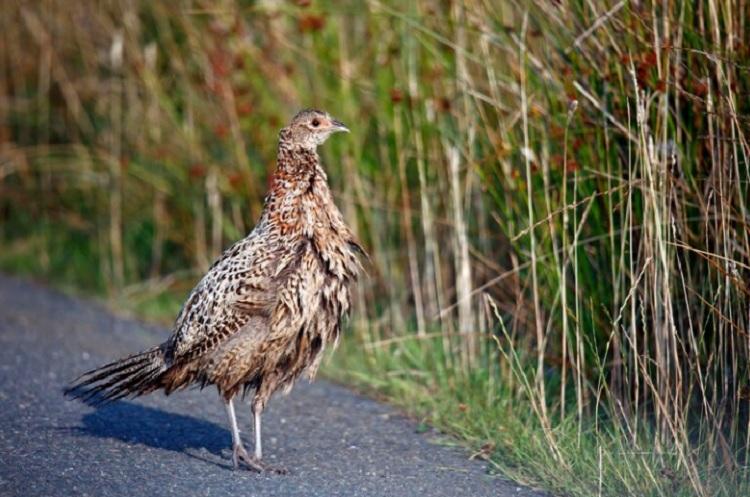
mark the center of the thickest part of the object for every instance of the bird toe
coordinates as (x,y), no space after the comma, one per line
(240,457)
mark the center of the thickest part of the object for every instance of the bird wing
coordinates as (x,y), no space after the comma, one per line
(240,285)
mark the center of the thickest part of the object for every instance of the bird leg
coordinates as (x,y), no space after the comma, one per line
(257,411)
(238,450)
(257,408)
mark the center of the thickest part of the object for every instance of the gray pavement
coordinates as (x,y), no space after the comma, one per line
(333,441)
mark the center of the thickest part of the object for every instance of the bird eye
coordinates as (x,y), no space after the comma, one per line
(315,123)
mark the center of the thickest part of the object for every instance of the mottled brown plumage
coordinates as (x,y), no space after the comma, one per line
(267,308)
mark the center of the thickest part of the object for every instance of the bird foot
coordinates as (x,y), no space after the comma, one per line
(270,468)
(240,455)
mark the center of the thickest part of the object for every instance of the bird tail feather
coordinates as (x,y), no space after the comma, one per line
(129,377)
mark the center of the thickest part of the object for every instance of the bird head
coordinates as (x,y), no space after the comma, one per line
(311,127)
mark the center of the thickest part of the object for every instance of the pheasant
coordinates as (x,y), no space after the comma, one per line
(267,308)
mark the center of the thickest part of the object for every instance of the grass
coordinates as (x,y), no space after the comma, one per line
(500,424)
(554,195)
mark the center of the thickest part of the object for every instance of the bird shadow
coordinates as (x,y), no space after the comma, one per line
(137,424)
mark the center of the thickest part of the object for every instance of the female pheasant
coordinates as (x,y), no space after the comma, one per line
(267,308)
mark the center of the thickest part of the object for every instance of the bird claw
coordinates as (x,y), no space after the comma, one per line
(278,470)
(240,455)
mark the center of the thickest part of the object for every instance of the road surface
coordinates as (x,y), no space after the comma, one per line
(334,442)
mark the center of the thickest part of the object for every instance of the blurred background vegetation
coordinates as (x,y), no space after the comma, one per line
(554,194)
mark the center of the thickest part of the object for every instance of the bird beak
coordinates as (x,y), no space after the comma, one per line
(339,126)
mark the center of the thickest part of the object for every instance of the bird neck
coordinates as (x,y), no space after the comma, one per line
(294,161)
(298,176)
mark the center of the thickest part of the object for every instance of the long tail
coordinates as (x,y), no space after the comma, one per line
(129,377)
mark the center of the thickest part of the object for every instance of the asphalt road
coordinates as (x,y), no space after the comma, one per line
(334,442)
